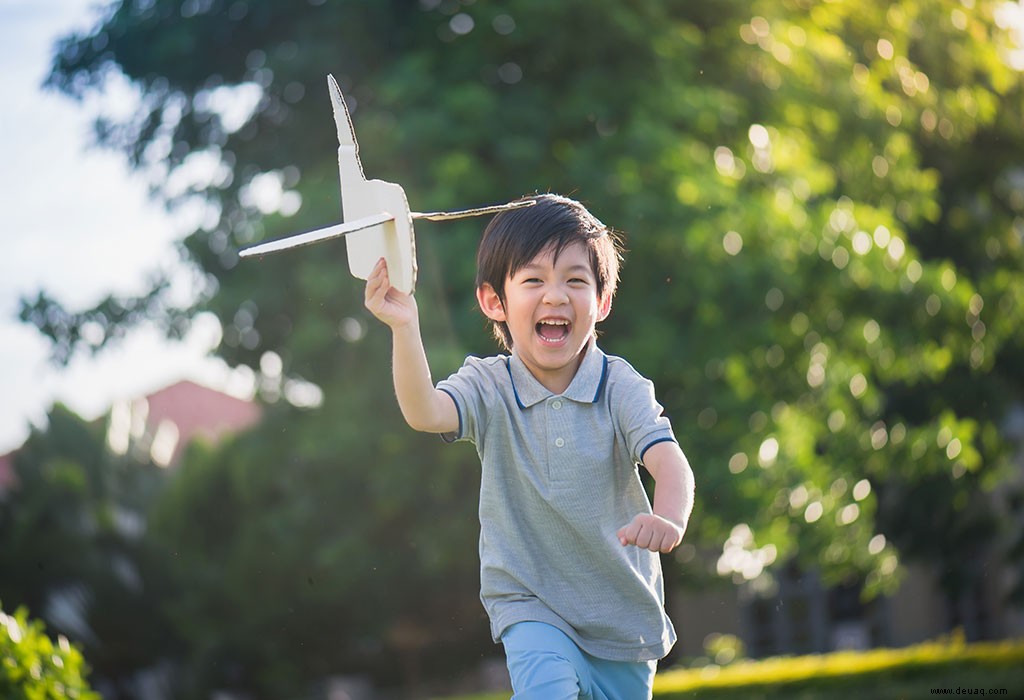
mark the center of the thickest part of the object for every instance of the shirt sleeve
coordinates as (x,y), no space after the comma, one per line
(466,387)
(641,419)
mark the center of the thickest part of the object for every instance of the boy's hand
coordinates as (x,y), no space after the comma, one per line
(387,303)
(652,532)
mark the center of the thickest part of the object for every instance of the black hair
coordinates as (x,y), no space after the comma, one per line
(515,237)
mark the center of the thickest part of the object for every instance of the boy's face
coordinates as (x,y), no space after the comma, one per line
(551,307)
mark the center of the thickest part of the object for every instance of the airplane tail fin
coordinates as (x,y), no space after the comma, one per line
(343,122)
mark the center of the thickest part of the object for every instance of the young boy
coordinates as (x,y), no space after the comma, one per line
(569,545)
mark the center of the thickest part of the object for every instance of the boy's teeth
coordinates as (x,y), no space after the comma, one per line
(559,328)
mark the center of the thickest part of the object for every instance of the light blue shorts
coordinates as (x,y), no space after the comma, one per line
(545,664)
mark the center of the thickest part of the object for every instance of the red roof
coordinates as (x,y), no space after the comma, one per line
(198,411)
(7,477)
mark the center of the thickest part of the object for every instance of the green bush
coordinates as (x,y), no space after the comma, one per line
(33,667)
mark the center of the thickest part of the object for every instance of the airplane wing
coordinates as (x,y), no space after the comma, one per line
(478,211)
(317,235)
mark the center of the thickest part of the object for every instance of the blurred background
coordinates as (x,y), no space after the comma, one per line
(207,484)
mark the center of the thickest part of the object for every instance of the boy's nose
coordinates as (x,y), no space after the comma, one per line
(555,296)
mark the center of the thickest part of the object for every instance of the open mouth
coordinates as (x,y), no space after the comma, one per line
(553,330)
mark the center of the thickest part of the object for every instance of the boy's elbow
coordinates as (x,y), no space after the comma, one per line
(421,426)
(415,421)
(427,423)
(438,415)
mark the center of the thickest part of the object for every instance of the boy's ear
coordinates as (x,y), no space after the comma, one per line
(604,307)
(490,302)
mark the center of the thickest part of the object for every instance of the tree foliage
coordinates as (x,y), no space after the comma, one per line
(304,550)
(823,204)
(73,552)
(35,667)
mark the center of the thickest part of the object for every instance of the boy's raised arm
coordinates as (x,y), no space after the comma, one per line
(424,407)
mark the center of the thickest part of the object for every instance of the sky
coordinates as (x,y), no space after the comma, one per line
(79,225)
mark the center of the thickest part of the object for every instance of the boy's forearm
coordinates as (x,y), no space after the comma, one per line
(413,385)
(423,407)
(674,485)
(673,497)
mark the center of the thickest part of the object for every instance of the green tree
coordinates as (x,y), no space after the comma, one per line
(73,553)
(304,550)
(823,207)
(35,667)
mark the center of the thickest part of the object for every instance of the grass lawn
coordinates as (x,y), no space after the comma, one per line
(991,669)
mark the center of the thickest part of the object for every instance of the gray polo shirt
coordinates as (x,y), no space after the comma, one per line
(559,479)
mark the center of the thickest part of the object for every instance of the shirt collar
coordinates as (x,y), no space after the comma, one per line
(585,386)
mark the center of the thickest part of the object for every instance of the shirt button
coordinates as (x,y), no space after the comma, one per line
(559,442)
(556,404)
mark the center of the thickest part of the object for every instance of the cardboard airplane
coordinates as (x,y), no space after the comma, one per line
(377,222)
